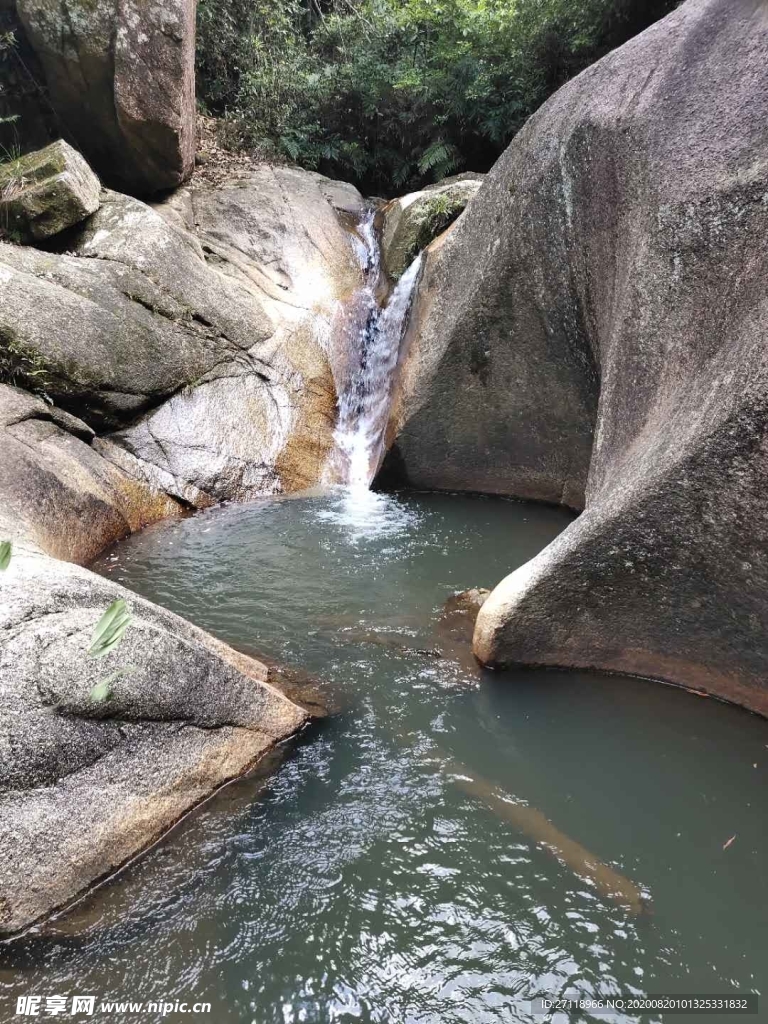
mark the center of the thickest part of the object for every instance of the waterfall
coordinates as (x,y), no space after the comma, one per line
(366,393)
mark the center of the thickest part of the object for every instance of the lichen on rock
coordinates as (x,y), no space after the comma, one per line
(45,192)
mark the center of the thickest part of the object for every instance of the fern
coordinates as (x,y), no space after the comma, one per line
(440,158)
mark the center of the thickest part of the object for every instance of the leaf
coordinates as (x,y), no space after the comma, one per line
(6,550)
(102,691)
(729,841)
(110,629)
(440,158)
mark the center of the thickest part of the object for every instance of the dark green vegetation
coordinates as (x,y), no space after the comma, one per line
(6,43)
(396,93)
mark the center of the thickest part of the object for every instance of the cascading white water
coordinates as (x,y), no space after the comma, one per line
(365,396)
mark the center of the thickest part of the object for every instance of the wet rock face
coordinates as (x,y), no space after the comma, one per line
(44,193)
(197,331)
(264,421)
(120,74)
(613,271)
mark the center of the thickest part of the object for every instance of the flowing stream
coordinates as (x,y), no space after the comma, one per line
(366,391)
(447,845)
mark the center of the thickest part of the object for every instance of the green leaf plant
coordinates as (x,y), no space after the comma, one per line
(110,629)
(108,634)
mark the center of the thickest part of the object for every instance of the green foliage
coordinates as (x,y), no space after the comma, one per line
(6,551)
(110,629)
(395,93)
(441,211)
(438,213)
(102,691)
(7,42)
(108,634)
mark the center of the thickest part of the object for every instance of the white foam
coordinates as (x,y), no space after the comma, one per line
(366,396)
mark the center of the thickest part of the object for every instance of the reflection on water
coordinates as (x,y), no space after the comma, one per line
(397,866)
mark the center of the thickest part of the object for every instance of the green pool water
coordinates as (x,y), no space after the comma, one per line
(354,878)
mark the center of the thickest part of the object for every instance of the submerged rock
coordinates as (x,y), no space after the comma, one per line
(121,78)
(459,614)
(44,193)
(411,222)
(610,278)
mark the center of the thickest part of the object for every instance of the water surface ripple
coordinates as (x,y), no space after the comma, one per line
(359,882)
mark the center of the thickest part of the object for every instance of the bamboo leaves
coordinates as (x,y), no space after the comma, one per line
(110,629)
(6,551)
(109,632)
(102,691)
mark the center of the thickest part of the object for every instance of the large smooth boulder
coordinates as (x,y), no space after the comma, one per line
(86,784)
(198,330)
(496,391)
(610,278)
(100,757)
(46,192)
(120,74)
(60,490)
(411,222)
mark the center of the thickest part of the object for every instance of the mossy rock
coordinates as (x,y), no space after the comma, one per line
(46,192)
(415,220)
